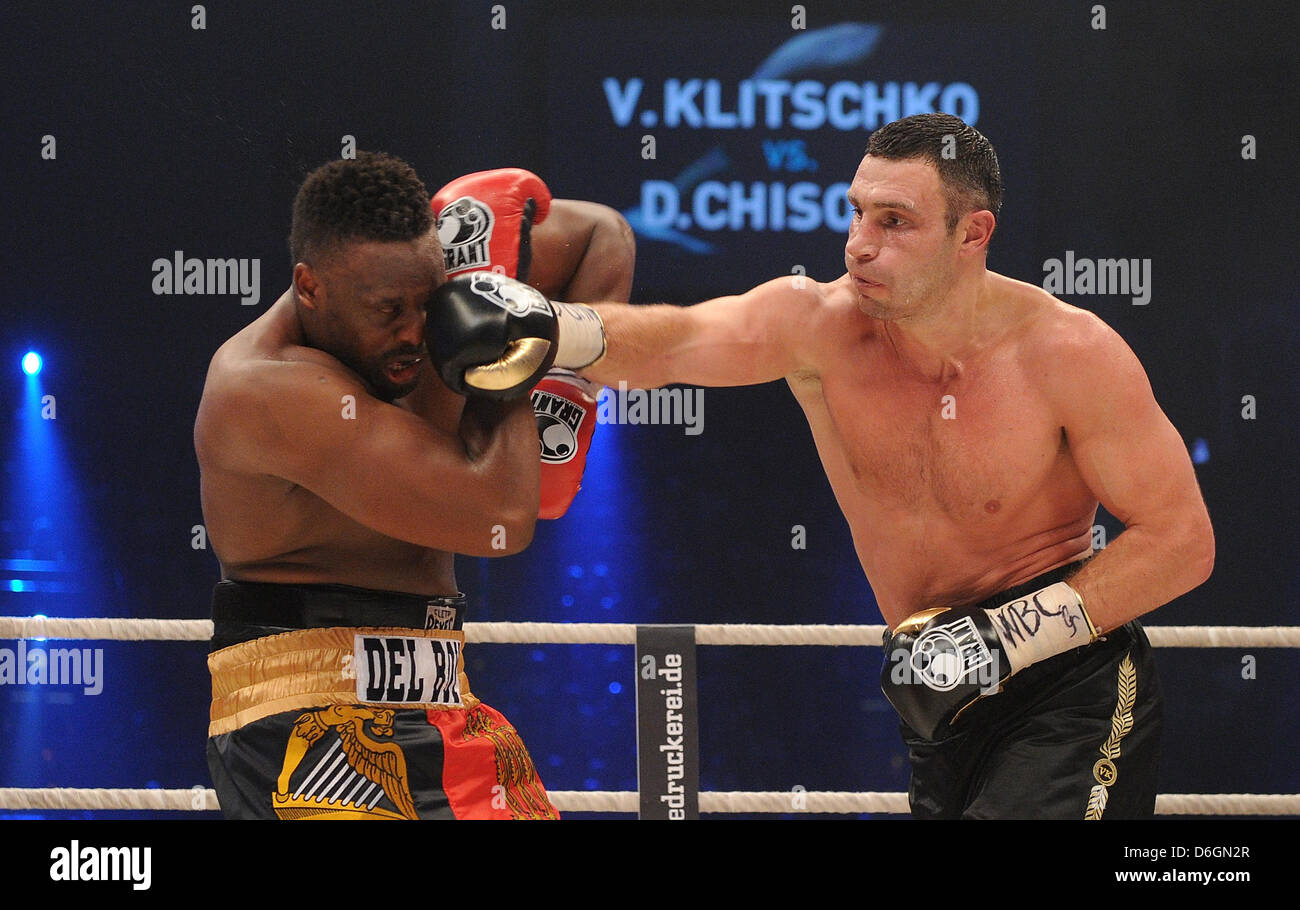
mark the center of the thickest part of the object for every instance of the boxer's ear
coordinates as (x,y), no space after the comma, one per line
(977,230)
(306,285)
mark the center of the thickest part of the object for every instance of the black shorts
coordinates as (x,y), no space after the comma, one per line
(334,702)
(1076,736)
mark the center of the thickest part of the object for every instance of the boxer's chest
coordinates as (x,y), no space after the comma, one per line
(980,444)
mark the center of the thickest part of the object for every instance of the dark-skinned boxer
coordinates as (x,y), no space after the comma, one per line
(339,477)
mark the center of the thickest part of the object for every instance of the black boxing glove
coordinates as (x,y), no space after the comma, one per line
(940,661)
(490,335)
(494,337)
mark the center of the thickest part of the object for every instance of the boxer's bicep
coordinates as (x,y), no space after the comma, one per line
(583,251)
(1125,448)
(380,465)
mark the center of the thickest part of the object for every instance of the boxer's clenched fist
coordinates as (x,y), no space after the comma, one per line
(565,406)
(493,336)
(940,661)
(490,335)
(485,220)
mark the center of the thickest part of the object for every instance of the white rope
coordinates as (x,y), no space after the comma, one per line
(67,798)
(814,801)
(1224,636)
(1228,804)
(107,629)
(603,633)
(609,633)
(711,802)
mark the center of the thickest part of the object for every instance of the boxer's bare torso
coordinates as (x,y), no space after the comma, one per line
(969,424)
(265,528)
(956,484)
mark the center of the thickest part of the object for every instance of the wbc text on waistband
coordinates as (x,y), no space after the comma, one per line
(667,723)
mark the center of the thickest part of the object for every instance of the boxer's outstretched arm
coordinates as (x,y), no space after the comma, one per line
(759,336)
(583,251)
(1137,465)
(315,425)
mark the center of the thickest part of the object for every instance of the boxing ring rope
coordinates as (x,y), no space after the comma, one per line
(612,633)
(779,801)
(783,802)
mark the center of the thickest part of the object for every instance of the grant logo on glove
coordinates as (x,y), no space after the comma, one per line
(963,654)
(490,335)
(565,407)
(514,297)
(485,220)
(558,420)
(945,655)
(465,231)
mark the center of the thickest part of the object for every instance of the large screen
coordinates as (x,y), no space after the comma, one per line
(729,149)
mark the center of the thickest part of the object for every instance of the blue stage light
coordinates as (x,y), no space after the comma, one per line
(31,363)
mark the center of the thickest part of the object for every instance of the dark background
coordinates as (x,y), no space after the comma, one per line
(1122,142)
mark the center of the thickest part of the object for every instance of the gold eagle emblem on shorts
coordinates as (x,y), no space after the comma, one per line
(353,775)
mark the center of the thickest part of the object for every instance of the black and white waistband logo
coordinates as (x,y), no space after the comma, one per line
(558,420)
(399,670)
(465,230)
(438,616)
(945,655)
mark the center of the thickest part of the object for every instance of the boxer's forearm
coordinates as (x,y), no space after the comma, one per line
(644,345)
(501,443)
(1144,568)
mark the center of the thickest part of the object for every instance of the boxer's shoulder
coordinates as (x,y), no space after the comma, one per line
(238,377)
(834,308)
(262,381)
(1070,351)
(820,320)
(267,354)
(1064,333)
(800,296)
(1045,329)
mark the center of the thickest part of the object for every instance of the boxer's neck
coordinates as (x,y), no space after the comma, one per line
(940,341)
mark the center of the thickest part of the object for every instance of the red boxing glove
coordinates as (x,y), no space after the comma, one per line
(565,406)
(484,220)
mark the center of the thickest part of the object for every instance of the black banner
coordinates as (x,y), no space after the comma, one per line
(667,725)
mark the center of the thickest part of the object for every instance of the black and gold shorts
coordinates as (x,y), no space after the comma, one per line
(1076,736)
(334,702)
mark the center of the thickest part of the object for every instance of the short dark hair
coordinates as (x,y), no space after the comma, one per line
(966,162)
(371,197)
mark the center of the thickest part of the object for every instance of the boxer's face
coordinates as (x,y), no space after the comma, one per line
(365,305)
(899,252)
